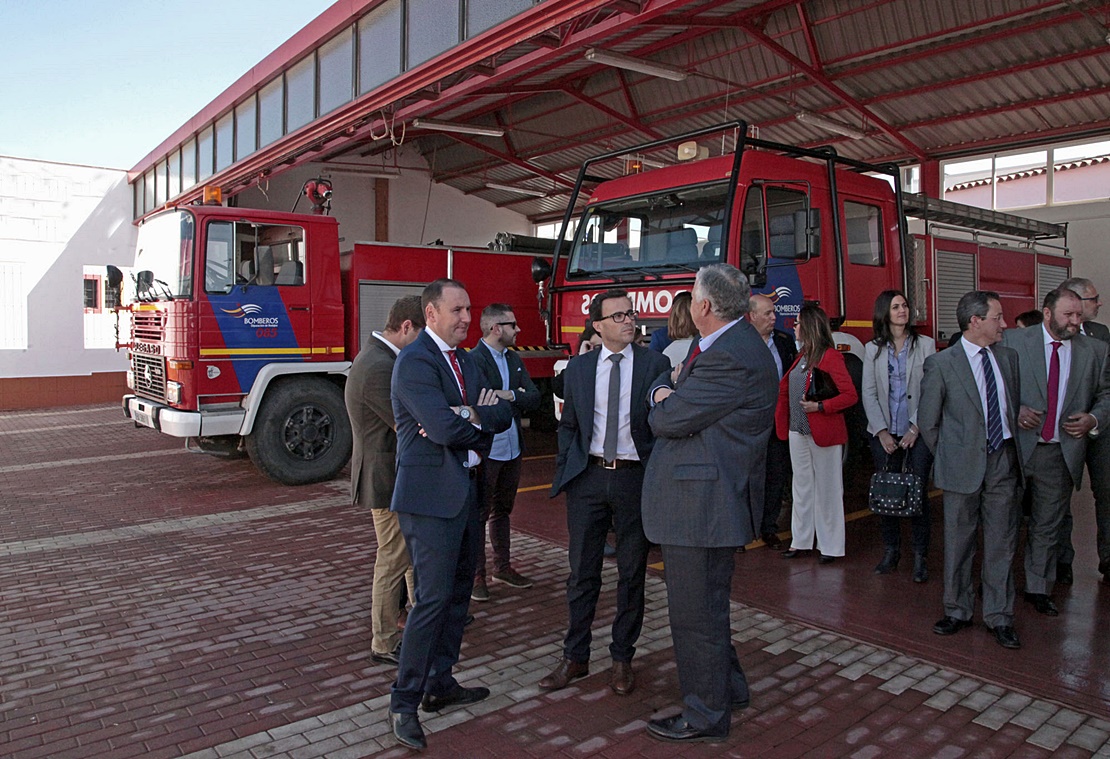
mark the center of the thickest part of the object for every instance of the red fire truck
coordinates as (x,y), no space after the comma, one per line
(244,322)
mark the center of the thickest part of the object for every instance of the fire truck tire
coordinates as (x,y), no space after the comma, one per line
(302,433)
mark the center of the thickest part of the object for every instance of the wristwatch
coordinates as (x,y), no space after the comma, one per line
(821,406)
(464,413)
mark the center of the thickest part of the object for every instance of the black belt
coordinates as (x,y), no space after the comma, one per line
(615,464)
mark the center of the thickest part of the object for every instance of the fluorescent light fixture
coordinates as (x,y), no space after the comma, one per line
(362,169)
(821,122)
(450,126)
(620,61)
(519,190)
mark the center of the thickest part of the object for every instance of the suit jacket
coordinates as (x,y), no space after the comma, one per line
(374,456)
(432,479)
(1088,391)
(576,425)
(704,484)
(951,420)
(527,394)
(786,347)
(827,427)
(1097,331)
(876,382)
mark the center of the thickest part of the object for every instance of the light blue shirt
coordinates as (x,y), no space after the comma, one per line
(775,354)
(897,399)
(506,445)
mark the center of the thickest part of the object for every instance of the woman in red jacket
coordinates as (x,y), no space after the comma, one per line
(817,435)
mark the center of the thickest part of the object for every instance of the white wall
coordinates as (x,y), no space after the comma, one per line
(1088,238)
(55,219)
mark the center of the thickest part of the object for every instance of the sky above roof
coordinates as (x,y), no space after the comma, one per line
(103,82)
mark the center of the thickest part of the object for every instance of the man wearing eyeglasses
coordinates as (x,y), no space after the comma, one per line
(1098,453)
(604,441)
(501,468)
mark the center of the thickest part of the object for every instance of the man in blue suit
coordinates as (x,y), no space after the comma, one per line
(446,415)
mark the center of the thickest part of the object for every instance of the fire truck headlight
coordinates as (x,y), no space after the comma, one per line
(173,392)
(130,380)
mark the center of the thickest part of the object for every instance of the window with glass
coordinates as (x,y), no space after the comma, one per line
(92,294)
(676,230)
(270,104)
(148,191)
(205,152)
(225,141)
(432,28)
(336,72)
(246,254)
(164,257)
(379,45)
(775,224)
(188,164)
(863,229)
(174,188)
(300,94)
(486,14)
(161,172)
(246,128)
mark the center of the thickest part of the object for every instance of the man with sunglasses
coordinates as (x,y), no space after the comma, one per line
(604,441)
(501,468)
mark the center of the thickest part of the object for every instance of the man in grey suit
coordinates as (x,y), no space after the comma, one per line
(1065,394)
(703,494)
(1098,452)
(968,417)
(374,466)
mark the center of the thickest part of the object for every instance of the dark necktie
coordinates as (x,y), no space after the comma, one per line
(458,373)
(1048,431)
(612,413)
(994,416)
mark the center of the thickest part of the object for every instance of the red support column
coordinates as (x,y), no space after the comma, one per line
(931,179)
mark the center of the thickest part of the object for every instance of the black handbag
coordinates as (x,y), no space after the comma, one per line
(895,494)
(821,386)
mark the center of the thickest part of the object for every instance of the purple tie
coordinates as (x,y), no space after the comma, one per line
(1048,431)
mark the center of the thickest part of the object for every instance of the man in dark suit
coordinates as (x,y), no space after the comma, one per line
(1065,394)
(604,441)
(1098,452)
(970,395)
(501,469)
(703,495)
(784,350)
(374,464)
(446,417)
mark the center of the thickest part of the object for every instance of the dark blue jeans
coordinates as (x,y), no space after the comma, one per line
(921,464)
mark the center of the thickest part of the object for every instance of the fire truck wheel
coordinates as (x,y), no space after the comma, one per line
(302,433)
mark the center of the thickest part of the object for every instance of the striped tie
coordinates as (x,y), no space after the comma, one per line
(994,416)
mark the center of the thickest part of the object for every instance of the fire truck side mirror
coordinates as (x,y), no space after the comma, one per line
(541,269)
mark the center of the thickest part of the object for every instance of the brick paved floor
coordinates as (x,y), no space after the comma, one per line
(161,604)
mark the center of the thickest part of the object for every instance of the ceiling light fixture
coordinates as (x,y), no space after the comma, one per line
(821,122)
(365,170)
(519,190)
(450,126)
(621,61)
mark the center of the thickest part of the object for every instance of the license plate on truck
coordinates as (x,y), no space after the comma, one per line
(142,417)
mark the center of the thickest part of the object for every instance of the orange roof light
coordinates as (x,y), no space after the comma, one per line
(213,196)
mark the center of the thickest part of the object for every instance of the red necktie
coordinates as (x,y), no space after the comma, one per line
(694,354)
(458,373)
(1048,431)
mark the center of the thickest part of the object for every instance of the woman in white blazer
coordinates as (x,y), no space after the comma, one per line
(893,364)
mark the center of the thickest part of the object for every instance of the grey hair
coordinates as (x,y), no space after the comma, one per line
(974,303)
(1078,284)
(726,288)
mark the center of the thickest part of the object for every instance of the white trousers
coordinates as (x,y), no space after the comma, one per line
(818,495)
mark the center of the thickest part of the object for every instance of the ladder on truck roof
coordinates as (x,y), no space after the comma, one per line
(934,210)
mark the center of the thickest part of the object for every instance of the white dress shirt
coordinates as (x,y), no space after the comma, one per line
(976,361)
(472,457)
(626,449)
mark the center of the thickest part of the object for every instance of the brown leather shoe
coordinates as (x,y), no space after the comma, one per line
(566,671)
(621,679)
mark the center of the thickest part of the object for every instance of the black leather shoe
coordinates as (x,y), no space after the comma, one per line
(468,620)
(794,553)
(740,704)
(950,626)
(889,562)
(457,696)
(677,730)
(771,540)
(407,730)
(1006,636)
(823,559)
(1064,575)
(1043,604)
(393,658)
(920,568)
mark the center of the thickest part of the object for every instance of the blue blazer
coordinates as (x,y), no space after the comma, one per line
(432,479)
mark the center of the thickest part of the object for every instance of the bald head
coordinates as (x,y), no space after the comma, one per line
(761,313)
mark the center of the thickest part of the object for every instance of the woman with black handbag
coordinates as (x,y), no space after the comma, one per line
(813,395)
(893,365)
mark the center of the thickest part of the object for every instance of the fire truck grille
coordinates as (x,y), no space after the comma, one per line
(148,325)
(150,376)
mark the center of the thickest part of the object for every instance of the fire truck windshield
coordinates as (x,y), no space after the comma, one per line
(164,257)
(674,230)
